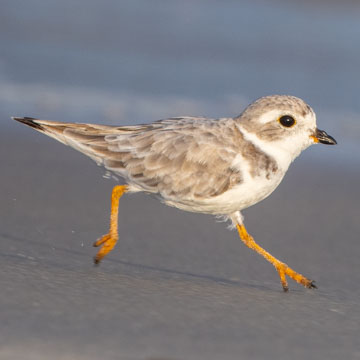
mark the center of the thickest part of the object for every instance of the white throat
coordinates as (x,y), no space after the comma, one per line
(282,157)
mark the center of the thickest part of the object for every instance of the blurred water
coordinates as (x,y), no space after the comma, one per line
(121,62)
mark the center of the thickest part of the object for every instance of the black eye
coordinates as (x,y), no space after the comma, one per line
(287,121)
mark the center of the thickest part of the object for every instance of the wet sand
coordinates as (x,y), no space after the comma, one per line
(178,285)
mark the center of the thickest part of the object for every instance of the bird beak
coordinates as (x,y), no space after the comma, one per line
(322,137)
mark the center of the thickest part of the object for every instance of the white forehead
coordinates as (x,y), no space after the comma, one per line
(275,114)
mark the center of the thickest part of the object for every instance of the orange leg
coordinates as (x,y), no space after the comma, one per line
(108,241)
(281,267)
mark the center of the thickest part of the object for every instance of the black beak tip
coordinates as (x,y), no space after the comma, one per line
(334,142)
(325,138)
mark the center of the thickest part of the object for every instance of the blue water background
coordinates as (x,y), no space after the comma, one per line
(125,62)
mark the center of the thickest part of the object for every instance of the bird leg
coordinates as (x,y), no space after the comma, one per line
(281,267)
(108,241)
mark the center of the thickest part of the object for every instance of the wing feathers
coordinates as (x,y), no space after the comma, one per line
(178,157)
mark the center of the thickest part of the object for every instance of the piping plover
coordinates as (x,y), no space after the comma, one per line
(214,166)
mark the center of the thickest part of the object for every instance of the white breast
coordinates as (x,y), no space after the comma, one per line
(249,192)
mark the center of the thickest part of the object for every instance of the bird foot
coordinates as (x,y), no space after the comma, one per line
(107,243)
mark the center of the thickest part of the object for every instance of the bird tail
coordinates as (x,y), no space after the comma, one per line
(86,138)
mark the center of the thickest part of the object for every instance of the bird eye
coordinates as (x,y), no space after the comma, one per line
(287,121)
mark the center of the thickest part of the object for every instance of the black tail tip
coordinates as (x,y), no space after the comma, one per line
(28,121)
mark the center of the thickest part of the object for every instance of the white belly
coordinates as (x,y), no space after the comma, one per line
(241,196)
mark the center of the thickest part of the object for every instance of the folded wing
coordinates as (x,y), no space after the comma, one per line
(167,157)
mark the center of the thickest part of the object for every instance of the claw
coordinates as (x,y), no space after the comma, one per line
(312,285)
